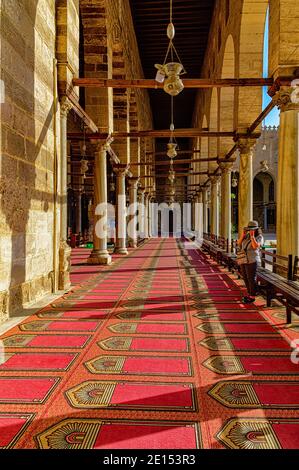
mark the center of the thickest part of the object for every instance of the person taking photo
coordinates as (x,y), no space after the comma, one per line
(249,258)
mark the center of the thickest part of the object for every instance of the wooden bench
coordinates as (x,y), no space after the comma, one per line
(278,276)
(221,251)
(230,258)
(207,242)
(280,281)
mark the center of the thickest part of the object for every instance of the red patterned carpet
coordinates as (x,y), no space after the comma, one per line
(157,352)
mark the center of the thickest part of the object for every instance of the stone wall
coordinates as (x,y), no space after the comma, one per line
(29,147)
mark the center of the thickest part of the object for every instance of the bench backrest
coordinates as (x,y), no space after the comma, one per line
(282,265)
(296,269)
(221,242)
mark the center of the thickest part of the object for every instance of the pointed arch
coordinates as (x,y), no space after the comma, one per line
(213,126)
(227,96)
(251,48)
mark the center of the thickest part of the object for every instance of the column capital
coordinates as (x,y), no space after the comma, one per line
(65,106)
(226,167)
(215,179)
(133,183)
(287,99)
(100,147)
(121,169)
(245,144)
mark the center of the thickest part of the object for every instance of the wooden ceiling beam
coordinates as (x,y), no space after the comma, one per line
(188,83)
(162,163)
(193,132)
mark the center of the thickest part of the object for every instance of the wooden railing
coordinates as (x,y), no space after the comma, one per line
(285,266)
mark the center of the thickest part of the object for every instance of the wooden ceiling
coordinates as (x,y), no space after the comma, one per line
(192,19)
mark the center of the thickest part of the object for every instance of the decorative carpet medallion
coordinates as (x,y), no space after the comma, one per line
(106,364)
(125,343)
(70,434)
(50,314)
(117,343)
(129,315)
(248,328)
(141,365)
(150,328)
(69,325)
(224,365)
(257,365)
(239,343)
(132,395)
(257,394)
(235,394)
(211,328)
(249,433)
(85,433)
(124,328)
(280,315)
(17,341)
(47,341)
(206,316)
(217,344)
(130,306)
(35,326)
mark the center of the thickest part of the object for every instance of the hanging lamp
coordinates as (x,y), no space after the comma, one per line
(83,161)
(169,72)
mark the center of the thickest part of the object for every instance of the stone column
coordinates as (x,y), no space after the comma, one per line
(215,205)
(146,215)
(226,201)
(99,254)
(78,211)
(193,205)
(288,170)
(245,201)
(199,222)
(141,211)
(205,209)
(150,217)
(121,210)
(133,186)
(64,249)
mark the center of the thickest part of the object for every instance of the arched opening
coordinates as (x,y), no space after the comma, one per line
(264,206)
(204,149)
(271,191)
(213,126)
(251,55)
(227,97)
(258,191)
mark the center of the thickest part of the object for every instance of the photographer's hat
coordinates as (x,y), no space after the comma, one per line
(252,225)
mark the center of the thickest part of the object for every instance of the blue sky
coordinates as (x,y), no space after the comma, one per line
(273,118)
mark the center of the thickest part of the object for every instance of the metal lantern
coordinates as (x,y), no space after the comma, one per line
(173,84)
(234,181)
(171,150)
